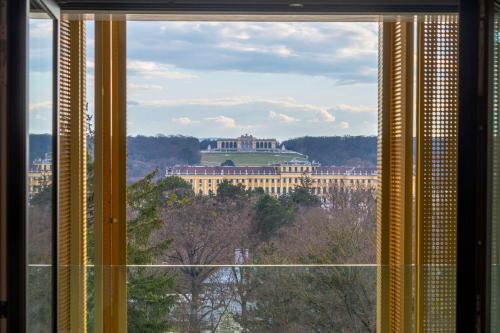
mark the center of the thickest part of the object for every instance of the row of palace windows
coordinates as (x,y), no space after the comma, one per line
(264,145)
(290,180)
(229,144)
(295,169)
(41,167)
(284,190)
(234,145)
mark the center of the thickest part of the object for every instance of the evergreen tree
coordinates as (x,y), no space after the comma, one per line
(150,291)
(302,195)
(228,191)
(271,214)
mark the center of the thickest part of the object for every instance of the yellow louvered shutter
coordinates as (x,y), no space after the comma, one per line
(72,170)
(394,218)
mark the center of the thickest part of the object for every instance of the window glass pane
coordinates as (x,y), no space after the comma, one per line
(40,174)
(251,171)
(90,116)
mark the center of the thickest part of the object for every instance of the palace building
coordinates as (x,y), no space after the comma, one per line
(246,143)
(275,179)
(39,175)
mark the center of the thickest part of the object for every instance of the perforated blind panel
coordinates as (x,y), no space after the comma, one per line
(437,113)
(394,219)
(495,179)
(72,180)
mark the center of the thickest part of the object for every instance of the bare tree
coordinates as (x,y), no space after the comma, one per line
(206,233)
(334,298)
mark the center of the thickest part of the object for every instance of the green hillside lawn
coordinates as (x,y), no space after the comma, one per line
(249,159)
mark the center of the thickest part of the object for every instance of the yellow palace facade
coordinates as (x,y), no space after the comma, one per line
(39,176)
(275,179)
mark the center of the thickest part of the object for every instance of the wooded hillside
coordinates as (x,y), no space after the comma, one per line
(337,150)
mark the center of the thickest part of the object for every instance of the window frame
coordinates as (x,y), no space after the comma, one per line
(471,252)
(51,8)
(14,186)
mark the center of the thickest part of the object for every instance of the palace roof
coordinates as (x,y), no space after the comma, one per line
(350,171)
(221,170)
(264,170)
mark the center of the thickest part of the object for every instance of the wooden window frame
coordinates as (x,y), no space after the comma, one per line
(471,286)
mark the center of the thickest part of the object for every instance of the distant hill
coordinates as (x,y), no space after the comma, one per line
(249,159)
(337,150)
(205,142)
(145,153)
(177,149)
(39,145)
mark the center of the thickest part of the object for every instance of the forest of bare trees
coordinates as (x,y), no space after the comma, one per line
(244,261)
(238,261)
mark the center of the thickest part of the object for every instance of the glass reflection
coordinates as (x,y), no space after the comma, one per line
(40,174)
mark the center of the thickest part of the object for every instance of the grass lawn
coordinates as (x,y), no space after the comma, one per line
(249,159)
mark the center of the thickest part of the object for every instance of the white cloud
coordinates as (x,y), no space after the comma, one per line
(140,86)
(228,101)
(344,125)
(182,120)
(41,116)
(343,51)
(40,106)
(355,109)
(242,36)
(281,117)
(41,29)
(224,121)
(279,50)
(291,103)
(321,111)
(327,116)
(156,69)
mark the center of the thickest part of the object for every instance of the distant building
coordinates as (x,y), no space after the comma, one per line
(39,175)
(276,179)
(246,143)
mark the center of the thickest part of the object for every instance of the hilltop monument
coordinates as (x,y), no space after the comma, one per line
(246,143)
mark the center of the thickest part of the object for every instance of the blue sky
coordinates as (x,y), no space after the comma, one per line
(40,76)
(223,79)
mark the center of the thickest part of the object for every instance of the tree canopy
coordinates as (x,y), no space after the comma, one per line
(336,150)
(227,163)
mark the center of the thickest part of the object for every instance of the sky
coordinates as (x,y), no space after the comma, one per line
(224,79)
(40,76)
